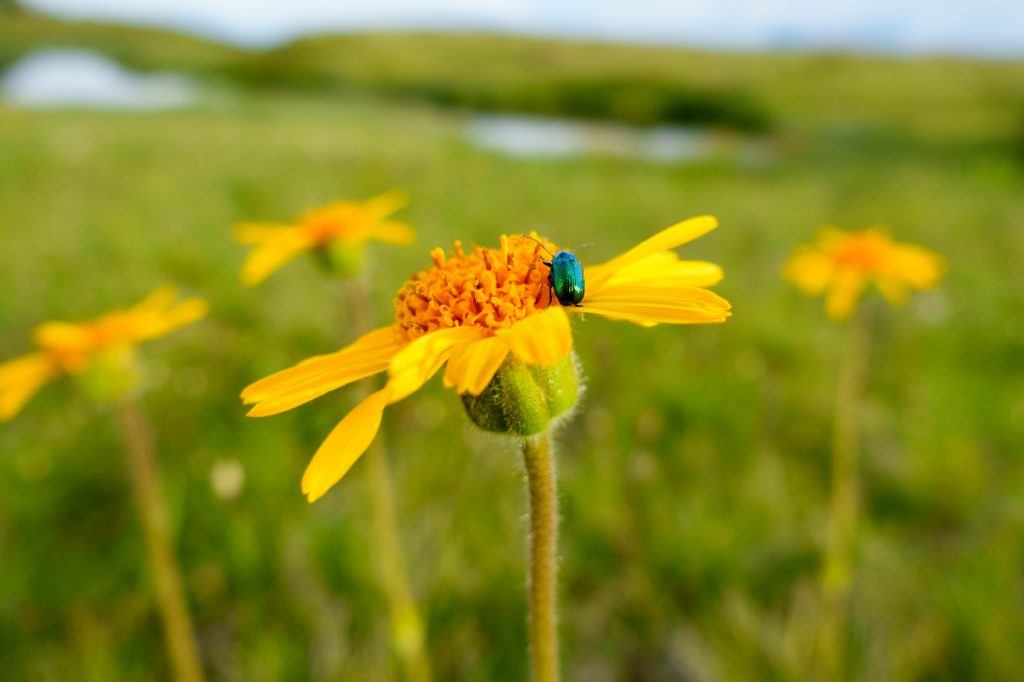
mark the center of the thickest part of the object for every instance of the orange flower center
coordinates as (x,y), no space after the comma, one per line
(325,225)
(71,353)
(866,252)
(490,288)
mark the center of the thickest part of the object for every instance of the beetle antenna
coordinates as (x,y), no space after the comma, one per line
(539,242)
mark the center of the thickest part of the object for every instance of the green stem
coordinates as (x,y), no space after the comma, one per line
(844,506)
(145,477)
(407,632)
(540,477)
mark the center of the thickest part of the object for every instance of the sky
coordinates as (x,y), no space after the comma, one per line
(979,27)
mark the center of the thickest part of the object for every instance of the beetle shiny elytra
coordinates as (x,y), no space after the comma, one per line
(565,277)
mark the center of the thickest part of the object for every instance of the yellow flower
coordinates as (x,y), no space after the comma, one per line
(345,223)
(473,311)
(842,264)
(72,348)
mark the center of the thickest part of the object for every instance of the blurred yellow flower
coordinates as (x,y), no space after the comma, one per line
(473,311)
(71,348)
(841,265)
(345,223)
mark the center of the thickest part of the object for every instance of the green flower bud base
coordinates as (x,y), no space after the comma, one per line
(112,375)
(340,258)
(523,399)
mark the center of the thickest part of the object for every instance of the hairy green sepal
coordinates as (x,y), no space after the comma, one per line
(523,399)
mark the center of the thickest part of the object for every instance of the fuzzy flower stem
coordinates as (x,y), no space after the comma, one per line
(407,631)
(540,477)
(145,478)
(844,507)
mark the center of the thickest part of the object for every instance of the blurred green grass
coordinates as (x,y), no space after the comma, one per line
(23,30)
(694,475)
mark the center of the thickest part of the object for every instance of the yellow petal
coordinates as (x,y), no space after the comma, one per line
(648,316)
(392,232)
(810,270)
(383,205)
(919,267)
(164,322)
(155,302)
(660,269)
(254,233)
(660,294)
(271,254)
(417,362)
(62,335)
(472,365)
(667,239)
(843,293)
(20,379)
(346,442)
(374,209)
(314,377)
(266,387)
(347,371)
(655,305)
(543,338)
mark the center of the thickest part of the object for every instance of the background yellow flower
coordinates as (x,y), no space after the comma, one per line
(73,347)
(345,223)
(841,265)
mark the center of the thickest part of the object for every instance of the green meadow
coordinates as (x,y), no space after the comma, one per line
(695,472)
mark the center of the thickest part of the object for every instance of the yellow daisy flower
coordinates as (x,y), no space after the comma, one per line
(477,311)
(348,224)
(72,348)
(841,265)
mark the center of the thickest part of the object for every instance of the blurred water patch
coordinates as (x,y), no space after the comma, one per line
(539,137)
(78,78)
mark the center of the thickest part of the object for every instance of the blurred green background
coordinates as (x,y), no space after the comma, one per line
(695,474)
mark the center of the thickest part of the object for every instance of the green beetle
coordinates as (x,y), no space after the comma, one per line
(565,277)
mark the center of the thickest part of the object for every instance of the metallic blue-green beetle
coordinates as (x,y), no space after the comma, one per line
(565,277)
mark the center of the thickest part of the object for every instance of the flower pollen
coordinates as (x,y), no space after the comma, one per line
(490,288)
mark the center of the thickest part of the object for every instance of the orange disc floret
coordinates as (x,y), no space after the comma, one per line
(71,349)
(489,288)
(324,225)
(866,251)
